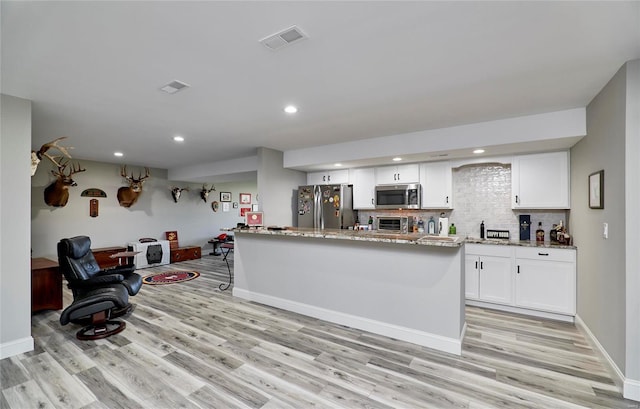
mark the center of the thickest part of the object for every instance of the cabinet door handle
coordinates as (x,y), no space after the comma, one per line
(481,265)
(324,178)
(518,269)
(517,200)
(398,176)
(329,178)
(372,201)
(476,265)
(543,254)
(447,199)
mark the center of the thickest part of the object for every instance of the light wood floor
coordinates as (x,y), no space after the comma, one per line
(191,346)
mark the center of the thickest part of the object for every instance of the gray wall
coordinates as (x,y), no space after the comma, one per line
(15,270)
(601,262)
(153,214)
(276,187)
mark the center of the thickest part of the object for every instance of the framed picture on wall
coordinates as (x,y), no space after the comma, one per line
(245,198)
(254,219)
(225,196)
(244,210)
(596,190)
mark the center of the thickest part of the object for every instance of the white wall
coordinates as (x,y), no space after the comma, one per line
(15,269)
(604,273)
(153,214)
(632,205)
(277,187)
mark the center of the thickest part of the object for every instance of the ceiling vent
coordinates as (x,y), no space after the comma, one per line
(174,86)
(283,38)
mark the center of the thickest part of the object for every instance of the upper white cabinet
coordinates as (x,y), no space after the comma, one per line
(540,181)
(328,177)
(364,188)
(437,185)
(387,175)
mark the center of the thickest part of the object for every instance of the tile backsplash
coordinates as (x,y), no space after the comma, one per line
(482,193)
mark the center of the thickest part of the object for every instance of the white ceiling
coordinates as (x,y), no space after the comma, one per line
(93,70)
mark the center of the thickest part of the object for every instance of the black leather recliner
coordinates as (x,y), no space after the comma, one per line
(98,295)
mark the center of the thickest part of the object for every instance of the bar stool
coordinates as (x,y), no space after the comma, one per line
(228,247)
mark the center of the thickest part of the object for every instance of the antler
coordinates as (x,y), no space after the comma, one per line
(63,166)
(75,170)
(123,173)
(204,188)
(146,174)
(54,144)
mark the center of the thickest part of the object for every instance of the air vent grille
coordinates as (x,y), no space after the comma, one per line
(283,38)
(174,86)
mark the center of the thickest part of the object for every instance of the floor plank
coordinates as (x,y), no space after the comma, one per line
(190,345)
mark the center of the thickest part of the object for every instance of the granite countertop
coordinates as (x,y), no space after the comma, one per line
(361,235)
(521,243)
(385,237)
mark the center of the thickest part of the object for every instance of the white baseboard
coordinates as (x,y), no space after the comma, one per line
(439,342)
(19,346)
(630,387)
(519,310)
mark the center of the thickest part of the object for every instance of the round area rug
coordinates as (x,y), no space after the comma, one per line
(170,277)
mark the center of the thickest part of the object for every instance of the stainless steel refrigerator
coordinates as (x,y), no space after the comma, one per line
(325,206)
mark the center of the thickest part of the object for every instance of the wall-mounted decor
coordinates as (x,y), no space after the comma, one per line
(244,210)
(36,157)
(93,207)
(176,192)
(254,207)
(225,206)
(128,195)
(245,198)
(57,193)
(254,219)
(204,192)
(93,192)
(215,205)
(596,190)
(235,205)
(225,196)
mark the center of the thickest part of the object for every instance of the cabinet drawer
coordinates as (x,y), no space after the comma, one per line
(489,250)
(546,254)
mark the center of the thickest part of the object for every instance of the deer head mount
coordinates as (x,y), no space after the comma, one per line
(204,192)
(128,195)
(36,156)
(176,192)
(57,193)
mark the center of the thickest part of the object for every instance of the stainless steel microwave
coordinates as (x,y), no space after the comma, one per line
(398,196)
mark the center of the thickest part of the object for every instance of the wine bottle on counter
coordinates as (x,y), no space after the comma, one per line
(540,233)
(482,230)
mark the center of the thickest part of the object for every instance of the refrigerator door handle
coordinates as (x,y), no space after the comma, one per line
(318,222)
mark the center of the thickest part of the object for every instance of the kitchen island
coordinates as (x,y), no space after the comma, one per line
(404,286)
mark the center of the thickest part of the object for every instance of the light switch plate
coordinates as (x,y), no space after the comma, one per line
(605,230)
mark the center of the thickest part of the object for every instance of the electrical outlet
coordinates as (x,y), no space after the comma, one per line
(605,230)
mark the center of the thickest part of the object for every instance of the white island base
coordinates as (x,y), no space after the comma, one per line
(412,292)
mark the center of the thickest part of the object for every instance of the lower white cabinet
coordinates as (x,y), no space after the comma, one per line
(546,279)
(488,273)
(534,280)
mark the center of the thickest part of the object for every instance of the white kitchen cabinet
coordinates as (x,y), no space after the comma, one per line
(540,181)
(546,279)
(328,177)
(364,188)
(387,175)
(437,185)
(489,273)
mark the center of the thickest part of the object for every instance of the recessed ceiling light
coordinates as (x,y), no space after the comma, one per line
(174,86)
(396,159)
(178,138)
(290,109)
(118,154)
(337,165)
(478,151)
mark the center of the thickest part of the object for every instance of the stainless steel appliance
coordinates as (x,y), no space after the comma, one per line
(325,206)
(395,224)
(398,196)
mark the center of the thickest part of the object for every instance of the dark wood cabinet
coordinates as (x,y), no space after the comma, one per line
(186,253)
(104,259)
(46,285)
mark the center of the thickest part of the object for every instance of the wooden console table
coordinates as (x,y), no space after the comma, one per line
(46,285)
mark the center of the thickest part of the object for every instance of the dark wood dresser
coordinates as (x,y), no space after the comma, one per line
(46,285)
(186,253)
